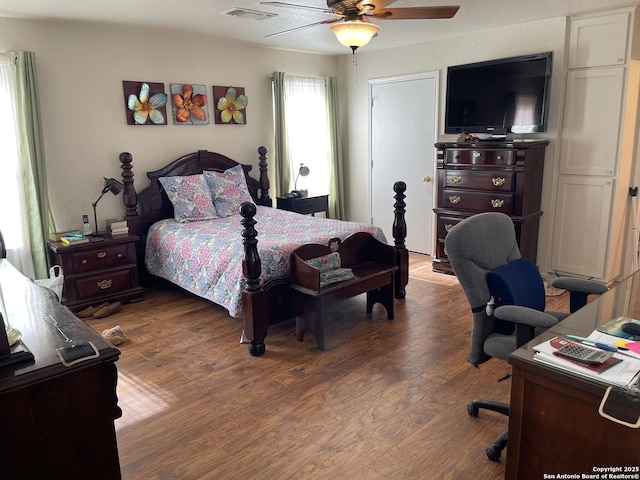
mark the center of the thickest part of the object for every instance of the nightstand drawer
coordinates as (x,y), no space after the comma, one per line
(109,256)
(106,282)
(305,205)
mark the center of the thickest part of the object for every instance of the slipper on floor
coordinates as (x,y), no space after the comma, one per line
(108,310)
(89,311)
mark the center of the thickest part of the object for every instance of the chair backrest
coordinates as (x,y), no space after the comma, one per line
(476,246)
(516,283)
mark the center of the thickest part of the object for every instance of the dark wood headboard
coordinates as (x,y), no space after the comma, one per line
(152,204)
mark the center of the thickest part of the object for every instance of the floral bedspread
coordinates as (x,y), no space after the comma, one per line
(205,257)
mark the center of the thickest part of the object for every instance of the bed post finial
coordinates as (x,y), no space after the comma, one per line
(264,177)
(129,196)
(399,235)
(251,267)
(254,300)
(399,224)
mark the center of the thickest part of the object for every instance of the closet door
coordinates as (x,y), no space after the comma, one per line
(599,41)
(592,121)
(581,225)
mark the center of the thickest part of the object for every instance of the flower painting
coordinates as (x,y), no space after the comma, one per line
(145,103)
(231,104)
(189,103)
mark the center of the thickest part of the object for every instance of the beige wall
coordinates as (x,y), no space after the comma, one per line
(81,68)
(542,36)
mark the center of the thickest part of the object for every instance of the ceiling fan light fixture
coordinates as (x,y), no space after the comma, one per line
(354,33)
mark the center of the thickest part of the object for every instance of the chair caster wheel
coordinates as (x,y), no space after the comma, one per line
(493,454)
(472,410)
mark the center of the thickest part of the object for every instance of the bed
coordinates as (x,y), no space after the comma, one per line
(248,274)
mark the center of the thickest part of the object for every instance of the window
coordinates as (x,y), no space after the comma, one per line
(308,135)
(9,184)
(12,221)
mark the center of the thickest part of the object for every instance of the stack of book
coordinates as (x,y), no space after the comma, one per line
(117,228)
(72,238)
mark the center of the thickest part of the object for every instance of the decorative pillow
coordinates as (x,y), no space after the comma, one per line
(325,263)
(228,189)
(190,196)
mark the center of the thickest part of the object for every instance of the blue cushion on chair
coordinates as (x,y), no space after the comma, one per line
(516,283)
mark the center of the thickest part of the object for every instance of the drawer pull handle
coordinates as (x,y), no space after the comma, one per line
(426,179)
(476,154)
(119,255)
(456,179)
(105,284)
(448,227)
(101,254)
(499,157)
(454,199)
(85,261)
(497,203)
(498,181)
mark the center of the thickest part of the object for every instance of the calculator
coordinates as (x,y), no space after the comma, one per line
(584,354)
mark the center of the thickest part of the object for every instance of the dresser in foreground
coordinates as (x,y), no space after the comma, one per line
(56,421)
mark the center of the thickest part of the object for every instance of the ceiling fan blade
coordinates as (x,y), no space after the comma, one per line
(293,5)
(324,22)
(416,13)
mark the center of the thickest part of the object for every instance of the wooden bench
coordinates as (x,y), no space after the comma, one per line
(373,264)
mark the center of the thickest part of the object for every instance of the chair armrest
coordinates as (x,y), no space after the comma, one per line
(579,290)
(579,285)
(525,315)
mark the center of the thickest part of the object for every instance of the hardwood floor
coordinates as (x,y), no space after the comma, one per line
(387,400)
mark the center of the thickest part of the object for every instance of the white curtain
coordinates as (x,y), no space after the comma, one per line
(309,139)
(12,219)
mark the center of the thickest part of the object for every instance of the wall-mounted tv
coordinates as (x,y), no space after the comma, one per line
(510,95)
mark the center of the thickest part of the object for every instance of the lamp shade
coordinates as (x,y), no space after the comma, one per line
(304,170)
(354,33)
(112,185)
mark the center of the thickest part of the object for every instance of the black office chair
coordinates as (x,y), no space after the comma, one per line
(506,294)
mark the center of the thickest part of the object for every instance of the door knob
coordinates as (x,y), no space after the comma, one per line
(426,178)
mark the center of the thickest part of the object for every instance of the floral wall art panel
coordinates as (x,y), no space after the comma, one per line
(145,103)
(189,103)
(230,105)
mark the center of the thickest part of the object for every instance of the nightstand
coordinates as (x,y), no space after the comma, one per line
(100,272)
(305,205)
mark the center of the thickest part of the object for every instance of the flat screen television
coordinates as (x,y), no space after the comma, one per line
(496,97)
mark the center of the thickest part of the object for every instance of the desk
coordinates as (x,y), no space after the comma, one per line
(56,421)
(554,425)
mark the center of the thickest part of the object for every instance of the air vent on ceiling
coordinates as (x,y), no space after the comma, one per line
(250,14)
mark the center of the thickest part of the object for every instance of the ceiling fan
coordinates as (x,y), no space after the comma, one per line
(351,24)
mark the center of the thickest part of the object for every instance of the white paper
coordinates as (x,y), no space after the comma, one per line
(621,374)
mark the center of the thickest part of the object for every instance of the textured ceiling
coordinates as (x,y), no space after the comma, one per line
(205,16)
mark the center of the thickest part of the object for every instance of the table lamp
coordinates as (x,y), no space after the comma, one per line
(302,171)
(110,185)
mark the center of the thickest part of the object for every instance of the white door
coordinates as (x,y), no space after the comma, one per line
(403,131)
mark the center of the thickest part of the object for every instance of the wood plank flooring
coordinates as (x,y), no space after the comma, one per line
(386,400)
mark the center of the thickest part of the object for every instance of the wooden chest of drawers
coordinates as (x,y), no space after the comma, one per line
(98,272)
(480,177)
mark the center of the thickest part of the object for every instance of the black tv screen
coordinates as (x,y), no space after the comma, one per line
(499,96)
